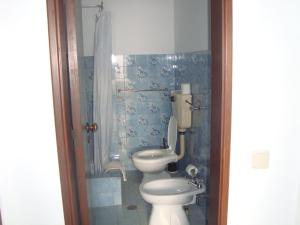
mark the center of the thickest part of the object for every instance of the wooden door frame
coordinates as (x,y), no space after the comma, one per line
(65,83)
(73,180)
(62,111)
(221,50)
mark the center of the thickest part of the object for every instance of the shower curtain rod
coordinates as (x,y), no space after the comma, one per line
(101,6)
(91,6)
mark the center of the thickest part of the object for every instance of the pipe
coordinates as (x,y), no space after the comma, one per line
(115,165)
(121,170)
(182,145)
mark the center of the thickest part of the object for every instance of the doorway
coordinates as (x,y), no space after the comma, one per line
(64,58)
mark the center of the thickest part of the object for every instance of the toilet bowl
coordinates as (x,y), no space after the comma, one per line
(168,196)
(152,162)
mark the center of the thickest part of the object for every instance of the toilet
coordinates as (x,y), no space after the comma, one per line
(152,162)
(168,196)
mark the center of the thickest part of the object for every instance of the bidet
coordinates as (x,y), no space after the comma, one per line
(168,196)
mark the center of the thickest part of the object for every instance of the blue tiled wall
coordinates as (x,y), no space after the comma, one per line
(195,68)
(141,117)
(142,85)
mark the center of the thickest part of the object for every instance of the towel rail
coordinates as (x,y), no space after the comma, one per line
(142,90)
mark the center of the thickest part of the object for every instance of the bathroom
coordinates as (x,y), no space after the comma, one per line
(150,48)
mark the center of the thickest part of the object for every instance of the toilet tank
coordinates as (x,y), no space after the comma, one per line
(182,109)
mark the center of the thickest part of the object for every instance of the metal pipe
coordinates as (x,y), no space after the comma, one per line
(182,145)
(141,90)
(90,6)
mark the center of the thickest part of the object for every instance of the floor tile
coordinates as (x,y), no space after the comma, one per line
(121,215)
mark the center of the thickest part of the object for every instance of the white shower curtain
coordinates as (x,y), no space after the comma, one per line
(102,111)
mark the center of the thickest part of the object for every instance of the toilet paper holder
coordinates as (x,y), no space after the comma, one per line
(191,170)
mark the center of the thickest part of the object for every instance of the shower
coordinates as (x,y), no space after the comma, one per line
(102,96)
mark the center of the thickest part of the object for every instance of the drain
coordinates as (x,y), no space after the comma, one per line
(132,207)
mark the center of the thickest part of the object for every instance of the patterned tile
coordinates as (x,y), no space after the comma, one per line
(195,68)
(141,118)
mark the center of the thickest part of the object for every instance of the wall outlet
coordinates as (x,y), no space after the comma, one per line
(260,160)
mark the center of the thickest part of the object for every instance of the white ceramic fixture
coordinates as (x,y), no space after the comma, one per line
(152,162)
(168,196)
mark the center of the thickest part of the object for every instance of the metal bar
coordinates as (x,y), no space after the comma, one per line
(100,6)
(141,90)
(91,6)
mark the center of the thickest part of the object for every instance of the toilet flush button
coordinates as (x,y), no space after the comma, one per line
(260,160)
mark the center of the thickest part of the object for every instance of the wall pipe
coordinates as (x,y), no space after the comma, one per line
(182,145)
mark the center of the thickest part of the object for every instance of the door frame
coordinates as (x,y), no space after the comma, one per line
(221,50)
(65,88)
(63,55)
(62,111)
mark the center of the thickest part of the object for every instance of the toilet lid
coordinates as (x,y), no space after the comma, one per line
(172,133)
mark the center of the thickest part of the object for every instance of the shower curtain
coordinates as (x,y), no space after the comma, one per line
(102,109)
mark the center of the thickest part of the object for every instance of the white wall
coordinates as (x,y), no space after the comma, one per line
(266,109)
(192,25)
(30,187)
(138,26)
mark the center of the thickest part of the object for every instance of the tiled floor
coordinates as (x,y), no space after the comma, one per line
(120,215)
